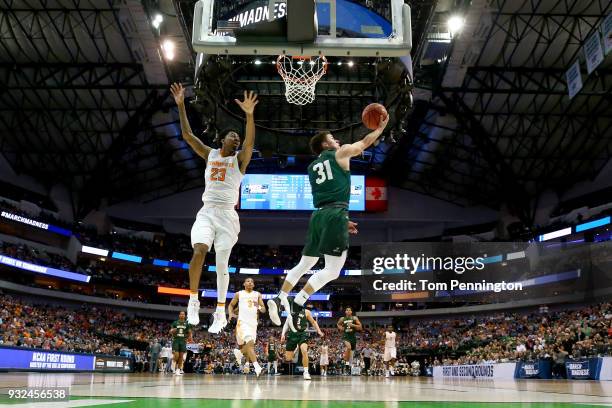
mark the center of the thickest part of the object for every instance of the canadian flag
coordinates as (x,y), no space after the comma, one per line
(376,194)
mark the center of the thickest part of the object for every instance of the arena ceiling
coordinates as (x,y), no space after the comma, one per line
(84,101)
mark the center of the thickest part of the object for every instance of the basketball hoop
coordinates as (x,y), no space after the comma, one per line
(301,75)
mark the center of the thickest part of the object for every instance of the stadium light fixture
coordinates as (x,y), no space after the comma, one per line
(257,62)
(168,47)
(351,63)
(455,24)
(157,20)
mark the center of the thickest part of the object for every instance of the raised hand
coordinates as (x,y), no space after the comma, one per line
(352,228)
(383,123)
(249,102)
(178,92)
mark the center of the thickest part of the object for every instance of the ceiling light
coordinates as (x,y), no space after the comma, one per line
(157,20)
(455,24)
(257,62)
(351,63)
(168,47)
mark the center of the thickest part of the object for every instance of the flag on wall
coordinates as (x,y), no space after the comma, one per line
(376,194)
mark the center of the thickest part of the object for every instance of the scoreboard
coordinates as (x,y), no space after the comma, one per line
(286,192)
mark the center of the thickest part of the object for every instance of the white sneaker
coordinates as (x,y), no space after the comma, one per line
(220,321)
(306,375)
(387,375)
(193,312)
(273,311)
(177,372)
(258,370)
(238,354)
(392,372)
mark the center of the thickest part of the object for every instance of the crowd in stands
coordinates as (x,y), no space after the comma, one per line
(512,336)
(581,332)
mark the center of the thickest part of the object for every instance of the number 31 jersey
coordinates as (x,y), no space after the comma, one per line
(330,183)
(223,178)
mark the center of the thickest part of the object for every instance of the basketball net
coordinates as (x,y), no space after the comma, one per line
(301,75)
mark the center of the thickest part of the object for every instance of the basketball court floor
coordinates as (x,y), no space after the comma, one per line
(219,391)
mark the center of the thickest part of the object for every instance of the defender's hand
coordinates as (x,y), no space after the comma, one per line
(352,228)
(249,102)
(178,92)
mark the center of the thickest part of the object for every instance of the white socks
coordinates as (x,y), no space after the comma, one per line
(193,296)
(301,297)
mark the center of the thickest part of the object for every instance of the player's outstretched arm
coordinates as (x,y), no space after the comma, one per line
(232,305)
(345,152)
(178,92)
(314,323)
(285,329)
(340,324)
(248,107)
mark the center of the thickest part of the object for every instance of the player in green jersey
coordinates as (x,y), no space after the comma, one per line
(299,338)
(181,332)
(348,325)
(329,227)
(271,350)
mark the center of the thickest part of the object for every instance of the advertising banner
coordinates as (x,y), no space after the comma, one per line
(113,364)
(33,359)
(492,371)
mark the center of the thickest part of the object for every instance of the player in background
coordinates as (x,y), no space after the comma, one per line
(390,354)
(349,325)
(329,227)
(249,304)
(217,222)
(270,349)
(324,360)
(181,332)
(299,338)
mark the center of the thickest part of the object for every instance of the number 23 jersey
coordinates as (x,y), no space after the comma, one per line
(223,178)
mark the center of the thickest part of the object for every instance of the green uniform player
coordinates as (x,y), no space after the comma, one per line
(330,180)
(271,352)
(348,333)
(272,356)
(349,325)
(331,191)
(181,332)
(179,339)
(300,337)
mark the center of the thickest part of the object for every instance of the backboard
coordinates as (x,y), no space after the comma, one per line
(370,34)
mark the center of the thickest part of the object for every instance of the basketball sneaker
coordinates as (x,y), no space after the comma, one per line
(307,375)
(193,312)
(219,322)
(274,310)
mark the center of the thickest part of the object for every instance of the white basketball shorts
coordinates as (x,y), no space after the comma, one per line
(217,225)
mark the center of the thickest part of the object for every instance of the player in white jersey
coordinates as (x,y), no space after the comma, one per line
(217,222)
(390,354)
(249,303)
(324,361)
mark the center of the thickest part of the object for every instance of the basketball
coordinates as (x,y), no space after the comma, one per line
(372,115)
